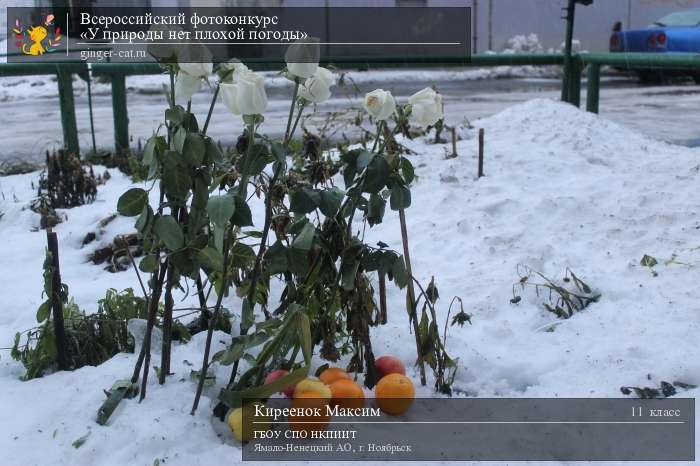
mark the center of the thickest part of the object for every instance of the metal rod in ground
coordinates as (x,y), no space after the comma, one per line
(481,152)
(382,299)
(413,315)
(454,141)
(57,301)
(92,120)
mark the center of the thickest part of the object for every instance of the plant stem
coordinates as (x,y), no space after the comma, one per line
(211,109)
(380,126)
(255,274)
(412,295)
(287,136)
(146,347)
(296,122)
(242,188)
(212,321)
(213,101)
(167,326)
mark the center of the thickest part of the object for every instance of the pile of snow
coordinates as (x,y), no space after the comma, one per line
(523,43)
(563,189)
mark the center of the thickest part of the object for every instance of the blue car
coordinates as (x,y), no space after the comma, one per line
(674,33)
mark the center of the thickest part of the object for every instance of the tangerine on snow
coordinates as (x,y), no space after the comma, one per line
(347,394)
(332,374)
(395,394)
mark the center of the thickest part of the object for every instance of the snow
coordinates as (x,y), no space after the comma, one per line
(563,189)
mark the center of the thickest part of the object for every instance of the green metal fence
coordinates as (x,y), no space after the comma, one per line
(571,85)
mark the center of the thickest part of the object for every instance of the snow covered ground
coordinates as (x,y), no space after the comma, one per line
(563,188)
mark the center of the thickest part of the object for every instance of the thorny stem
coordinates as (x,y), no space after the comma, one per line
(224,283)
(412,295)
(287,136)
(255,274)
(212,320)
(146,347)
(380,127)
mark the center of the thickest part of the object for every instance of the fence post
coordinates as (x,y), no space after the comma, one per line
(481,153)
(57,301)
(568,41)
(593,92)
(119,111)
(67,103)
(575,81)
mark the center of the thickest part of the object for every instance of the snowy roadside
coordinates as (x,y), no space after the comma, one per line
(563,189)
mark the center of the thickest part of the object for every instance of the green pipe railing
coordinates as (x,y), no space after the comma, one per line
(117,73)
(630,61)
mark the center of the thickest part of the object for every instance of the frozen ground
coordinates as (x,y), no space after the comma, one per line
(563,189)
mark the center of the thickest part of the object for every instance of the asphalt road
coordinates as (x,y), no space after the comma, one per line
(31,126)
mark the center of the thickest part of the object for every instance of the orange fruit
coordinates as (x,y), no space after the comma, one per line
(309,422)
(347,394)
(395,394)
(332,374)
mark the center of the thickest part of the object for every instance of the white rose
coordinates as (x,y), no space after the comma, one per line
(245,96)
(185,87)
(317,88)
(195,60)
(426,107)
(229,94)
(198,70)
(380,104)
(231,70)
(302,57)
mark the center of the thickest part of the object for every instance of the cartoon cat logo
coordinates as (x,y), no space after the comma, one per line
(36,36)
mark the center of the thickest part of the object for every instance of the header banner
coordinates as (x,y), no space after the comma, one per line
(130,34)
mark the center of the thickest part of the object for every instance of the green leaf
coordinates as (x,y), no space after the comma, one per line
(304,332)
(219,237)
(148,264)
(242,255)
(253,119)
(132,202)
(304,200)
(211,259)
(242,217)
(276,259)
(247,315)
(348,272)
(330,201)
(213,152)
(175,115)
(375,209)
(400,197)
(194,149)
(409,173)
(279,152)
(179,139)
(44,311)
(154,147)
(169,231)
(221,208)
(363,159)
(233,399)
(305,238)
(254,161)
(145,219)
(376,176)
(176,178)
(399,272)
